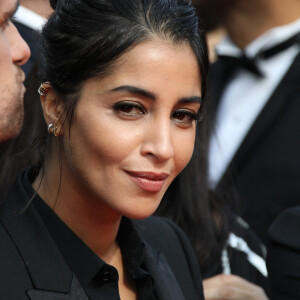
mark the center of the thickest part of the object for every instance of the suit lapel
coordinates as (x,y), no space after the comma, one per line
(76,293)
(287,92)
(166,285)
(46,266)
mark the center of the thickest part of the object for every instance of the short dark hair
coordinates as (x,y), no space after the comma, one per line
(83,38)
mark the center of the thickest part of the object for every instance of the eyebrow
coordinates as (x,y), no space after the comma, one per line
(135,90)
(151,96)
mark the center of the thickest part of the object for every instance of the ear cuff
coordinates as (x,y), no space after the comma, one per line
(42,90)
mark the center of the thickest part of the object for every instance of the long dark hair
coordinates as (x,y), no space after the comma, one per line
(201,214)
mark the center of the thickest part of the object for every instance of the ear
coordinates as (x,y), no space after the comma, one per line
(52,108)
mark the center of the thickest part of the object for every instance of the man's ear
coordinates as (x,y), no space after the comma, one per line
(52,108)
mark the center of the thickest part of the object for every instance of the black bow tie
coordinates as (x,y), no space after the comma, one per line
(233,63)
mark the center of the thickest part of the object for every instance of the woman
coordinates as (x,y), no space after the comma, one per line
(122,83)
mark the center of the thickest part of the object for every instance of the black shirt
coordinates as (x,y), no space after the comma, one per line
(99,280)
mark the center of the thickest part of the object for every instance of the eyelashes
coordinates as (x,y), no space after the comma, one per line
(133,110)
(182,114)
(129,109)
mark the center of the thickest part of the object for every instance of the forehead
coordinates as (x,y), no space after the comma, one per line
(7,8)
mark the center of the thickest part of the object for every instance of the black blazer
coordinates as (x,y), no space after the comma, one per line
(283,260)
(264,173)
(33,268)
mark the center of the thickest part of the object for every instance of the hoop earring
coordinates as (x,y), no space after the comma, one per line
(50,127)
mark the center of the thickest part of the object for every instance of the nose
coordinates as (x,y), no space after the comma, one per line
(158,140)
(19,49)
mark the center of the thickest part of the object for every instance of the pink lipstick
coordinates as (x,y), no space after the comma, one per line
(148,181)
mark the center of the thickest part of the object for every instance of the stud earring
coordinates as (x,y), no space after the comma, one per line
(54,131)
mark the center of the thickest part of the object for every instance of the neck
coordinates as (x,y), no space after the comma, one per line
(93,222)
(40,7)
(250,19)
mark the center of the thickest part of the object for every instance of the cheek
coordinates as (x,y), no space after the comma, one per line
(97,138)
(183,148)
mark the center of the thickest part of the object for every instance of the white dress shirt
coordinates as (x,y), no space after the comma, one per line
(246,94)
(29,18)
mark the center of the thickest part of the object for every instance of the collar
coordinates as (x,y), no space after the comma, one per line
(80,258)
(270,38)
(29,18)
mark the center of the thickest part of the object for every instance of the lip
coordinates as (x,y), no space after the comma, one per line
(148,181)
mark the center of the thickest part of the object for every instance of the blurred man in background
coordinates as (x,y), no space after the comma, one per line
(255,106)
(28,19)
(14,52)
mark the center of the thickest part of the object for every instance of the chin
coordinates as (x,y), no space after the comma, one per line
(141,211)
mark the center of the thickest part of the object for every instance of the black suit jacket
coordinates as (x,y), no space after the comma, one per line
(33,268)
(264,173)
(283,260)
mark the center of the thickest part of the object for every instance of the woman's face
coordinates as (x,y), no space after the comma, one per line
(134,130)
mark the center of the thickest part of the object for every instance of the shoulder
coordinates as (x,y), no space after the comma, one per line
(283,259)
(151,226)
(286,228)
(167,238)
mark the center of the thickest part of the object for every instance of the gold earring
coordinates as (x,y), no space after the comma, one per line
(54,131)
(42,90)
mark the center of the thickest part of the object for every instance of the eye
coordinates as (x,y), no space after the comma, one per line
(129,110)
(184,118)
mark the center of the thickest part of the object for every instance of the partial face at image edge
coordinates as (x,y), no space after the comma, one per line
(14,52)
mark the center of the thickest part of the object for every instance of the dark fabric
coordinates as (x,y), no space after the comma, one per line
(263,176)
(238,260)
(35,265)
(96,277)
(230,64)
(239,263)
(283,259)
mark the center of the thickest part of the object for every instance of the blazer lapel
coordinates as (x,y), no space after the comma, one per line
(45,264)
(76,293)
(166,285)
(287,92)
